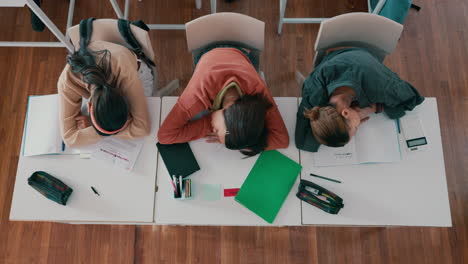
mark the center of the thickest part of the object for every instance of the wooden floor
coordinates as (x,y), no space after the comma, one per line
(432,55)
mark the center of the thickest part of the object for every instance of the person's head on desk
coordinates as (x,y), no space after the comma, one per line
(335,124)
(240,124)
(108,108)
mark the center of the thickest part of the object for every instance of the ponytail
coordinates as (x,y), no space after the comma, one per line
(328,126)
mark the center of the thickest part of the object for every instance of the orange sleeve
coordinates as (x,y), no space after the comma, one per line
(278,137)
(179,128)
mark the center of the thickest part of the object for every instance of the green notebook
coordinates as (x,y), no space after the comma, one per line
(268,184)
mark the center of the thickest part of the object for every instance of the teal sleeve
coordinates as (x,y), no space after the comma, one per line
(303,135)
(404,97)
(313,94)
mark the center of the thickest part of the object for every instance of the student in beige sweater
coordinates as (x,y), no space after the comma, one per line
(116,101)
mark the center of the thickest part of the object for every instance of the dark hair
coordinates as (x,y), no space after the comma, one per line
(328,126)
(109,106)
(245,124)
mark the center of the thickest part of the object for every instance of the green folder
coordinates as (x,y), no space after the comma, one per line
(268,184)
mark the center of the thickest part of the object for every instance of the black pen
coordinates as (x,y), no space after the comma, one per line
(94,190)
(325,178)
(63,146)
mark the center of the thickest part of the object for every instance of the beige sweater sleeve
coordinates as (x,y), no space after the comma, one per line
(129,82)
(71,91)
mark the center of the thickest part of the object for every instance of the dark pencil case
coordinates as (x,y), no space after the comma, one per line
(319,197)
(51,187)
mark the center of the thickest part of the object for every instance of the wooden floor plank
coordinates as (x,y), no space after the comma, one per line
(432,54)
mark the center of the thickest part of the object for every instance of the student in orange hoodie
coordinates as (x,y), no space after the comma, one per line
(227,102)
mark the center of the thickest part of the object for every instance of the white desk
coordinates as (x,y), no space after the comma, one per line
(125,196)
(412,192)
(222,166)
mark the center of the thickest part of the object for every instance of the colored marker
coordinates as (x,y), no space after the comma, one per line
(173,186)
(181,189)
(173,181)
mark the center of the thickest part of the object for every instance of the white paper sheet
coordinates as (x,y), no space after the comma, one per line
(376,141)
(118,152)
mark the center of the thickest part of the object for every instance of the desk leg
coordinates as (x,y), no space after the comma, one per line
(50,25)
(281,19)
(116,7)
(213,6)
(127,7)
(71,9)
(377,8)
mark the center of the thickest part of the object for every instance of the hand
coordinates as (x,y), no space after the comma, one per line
(82,122)
(364,119)
(212,138)
(365,112)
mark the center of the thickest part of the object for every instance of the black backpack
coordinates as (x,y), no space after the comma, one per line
(86,30)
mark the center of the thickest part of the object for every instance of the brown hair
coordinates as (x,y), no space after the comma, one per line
(328,126)
(110,107)
(245,121)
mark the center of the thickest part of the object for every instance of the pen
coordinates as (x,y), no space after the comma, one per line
(181,190)
(325,178)
(398,125)
(94,190)
(173,186)
(63,146)
(174,183)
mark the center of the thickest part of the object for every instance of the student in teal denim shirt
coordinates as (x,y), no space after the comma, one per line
(347,86)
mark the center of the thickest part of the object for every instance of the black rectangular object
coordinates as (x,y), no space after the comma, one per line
(178,158)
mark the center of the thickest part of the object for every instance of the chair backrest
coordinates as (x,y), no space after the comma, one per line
(377,34)
(226,28)
(107,30)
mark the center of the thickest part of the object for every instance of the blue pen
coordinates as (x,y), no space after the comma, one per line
(398,125)
(63,146)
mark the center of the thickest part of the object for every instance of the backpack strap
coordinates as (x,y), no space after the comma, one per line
(86,30)
(132,42)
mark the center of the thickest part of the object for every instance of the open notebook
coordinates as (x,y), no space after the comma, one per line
(376,141)
(41,129)
(42,135)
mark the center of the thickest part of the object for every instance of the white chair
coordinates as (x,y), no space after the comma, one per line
(107,30)
(377,34)
(226,28)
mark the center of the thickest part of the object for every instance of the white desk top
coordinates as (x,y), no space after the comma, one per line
(12,3)
(222,166)
(125,196)
(412,192)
